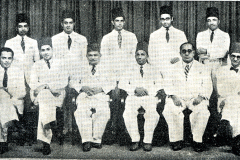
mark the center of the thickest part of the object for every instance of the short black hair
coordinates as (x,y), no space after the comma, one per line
(185,44)
(93,47)
(6,49)
(68,14)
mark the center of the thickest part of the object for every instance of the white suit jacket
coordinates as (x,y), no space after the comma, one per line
(161,52)
(198,81)
(219,46)
(24,60)
(118,58)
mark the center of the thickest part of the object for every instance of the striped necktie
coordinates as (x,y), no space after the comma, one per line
(186,71)
(93,69)
(119,39)
(141,70)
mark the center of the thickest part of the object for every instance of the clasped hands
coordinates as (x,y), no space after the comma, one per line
(55,92)
(140,91)
(91,91)
(177,101)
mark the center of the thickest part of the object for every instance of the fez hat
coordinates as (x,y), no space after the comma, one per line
(117,12)
(142,46)
(68,14)
(93,47)
(166,10)
(235,48)
(22,17)
(212,12)
(45,41)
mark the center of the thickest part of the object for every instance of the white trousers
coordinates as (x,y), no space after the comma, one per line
(92,125)
(47,113)
(151,116)
(175,117)
(8,112)
(231,112)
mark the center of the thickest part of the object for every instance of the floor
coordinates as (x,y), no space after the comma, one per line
(68,151)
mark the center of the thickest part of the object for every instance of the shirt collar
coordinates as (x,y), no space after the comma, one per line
(71,34)
(20,37)
(115,31)
(215,31)
(185,64)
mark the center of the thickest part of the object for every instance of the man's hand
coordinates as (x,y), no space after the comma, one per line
(202,51)
(38,89)
(97,90)
(87,90)
(139,92)
(197,100)
(174,60)
(176,101)
(56,92)
(222,104)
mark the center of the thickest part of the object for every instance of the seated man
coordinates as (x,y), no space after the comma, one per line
(12,92)
(141,82)
(93,113)
(188,85)
(47,82)
(228,78)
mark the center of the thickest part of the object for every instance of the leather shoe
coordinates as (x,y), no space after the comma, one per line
(198,147)
(86,146)
(3,147)
(177,145)
(134,146)
(147,147)
(97,145)
(46,149)
(236,145)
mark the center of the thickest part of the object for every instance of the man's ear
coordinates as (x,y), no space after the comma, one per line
(112,22)
(62,24)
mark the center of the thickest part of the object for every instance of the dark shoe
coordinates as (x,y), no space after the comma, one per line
(198,147)
(86,146)
(236,145)
(97,145)
(223,135)
(147,147)
(176,146)
(3,147)
(46,149)
(134,146)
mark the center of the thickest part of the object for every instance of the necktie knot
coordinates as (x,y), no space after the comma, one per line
(234,69)
(23,44)
(69,42)
(119,39)
(93,69)
(211,37)
(141,70)
(167,35)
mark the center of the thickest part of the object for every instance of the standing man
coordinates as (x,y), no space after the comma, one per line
(92,114)
(142,84)
(47,84)
(228,78)
(12,92)
(188,86)
(119,46)
(24,47)
(164,43)
(213,45)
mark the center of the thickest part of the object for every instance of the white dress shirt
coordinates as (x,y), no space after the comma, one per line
(218,47)
(118,59)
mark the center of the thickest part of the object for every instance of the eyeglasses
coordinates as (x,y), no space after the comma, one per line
(185,51)
(234,56)
(165,19)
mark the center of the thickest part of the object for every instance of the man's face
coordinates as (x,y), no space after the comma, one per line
(187,53)
(235,59)
(93,57)
(166,20)
(68,25)
(212,23)
(22,28)
(141,57)
(6,59)
(118,23)
(46,52)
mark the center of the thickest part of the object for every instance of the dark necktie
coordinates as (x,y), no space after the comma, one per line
(186,71)
(119,39)
(69,42)
(234,69)
(141,70)
(167,35)
(5,78)
(211,37)
(23,45)
(93,69)
(48,64)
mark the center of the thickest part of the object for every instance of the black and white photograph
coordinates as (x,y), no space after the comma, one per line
(118,79)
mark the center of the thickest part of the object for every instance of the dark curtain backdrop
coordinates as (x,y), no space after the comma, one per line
(93,17)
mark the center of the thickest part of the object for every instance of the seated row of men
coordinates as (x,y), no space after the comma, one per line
(187,85)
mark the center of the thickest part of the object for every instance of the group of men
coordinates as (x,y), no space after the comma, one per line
(165,66)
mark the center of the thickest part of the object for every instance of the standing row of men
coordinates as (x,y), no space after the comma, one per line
(65,62)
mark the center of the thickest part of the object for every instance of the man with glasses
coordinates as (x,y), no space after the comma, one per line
(164,43)
(188,86)
(228,78)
